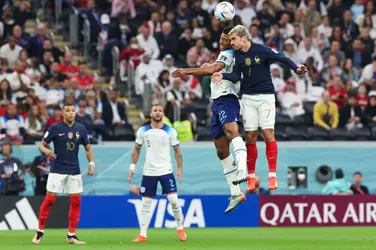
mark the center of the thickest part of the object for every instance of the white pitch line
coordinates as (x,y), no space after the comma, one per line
(114,163)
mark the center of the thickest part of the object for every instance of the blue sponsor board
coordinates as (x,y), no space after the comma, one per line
(198,211)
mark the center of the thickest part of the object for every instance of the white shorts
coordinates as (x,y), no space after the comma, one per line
(258,111)
(63,183)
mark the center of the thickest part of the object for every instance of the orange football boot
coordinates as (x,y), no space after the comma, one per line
(140,239)
(273,183)
(182,235)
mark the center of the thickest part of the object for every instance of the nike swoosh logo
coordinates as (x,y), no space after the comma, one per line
(61,134)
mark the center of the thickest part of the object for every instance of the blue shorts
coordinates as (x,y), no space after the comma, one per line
(149,184)
(225,109)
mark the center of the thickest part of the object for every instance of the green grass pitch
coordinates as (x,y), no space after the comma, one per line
(200,239)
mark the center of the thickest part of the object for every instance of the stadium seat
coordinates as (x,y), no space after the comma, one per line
(282,121)
(360,134)
(308,107)
(280,134)
(124,134)
(300,123)
(203,134)
(295,134)
(339,134)
(317,134)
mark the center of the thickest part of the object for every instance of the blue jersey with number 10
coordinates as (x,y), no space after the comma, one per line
(66,141)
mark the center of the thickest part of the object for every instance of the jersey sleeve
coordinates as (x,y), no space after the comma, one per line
(139,137)
(274,55)
(50,134)
(226,57)
(174,138)
(235,75)
(84,137)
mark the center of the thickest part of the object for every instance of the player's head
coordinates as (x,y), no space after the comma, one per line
(69,112)
(157,113)
(224,41)
(239,37)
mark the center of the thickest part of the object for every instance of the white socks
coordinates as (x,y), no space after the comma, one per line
(176,209)
(230,171)
(145,215)
(240,152)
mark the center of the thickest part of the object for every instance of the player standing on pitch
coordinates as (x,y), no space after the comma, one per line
(258,99)
(225,118)
(65,175)
(158,139)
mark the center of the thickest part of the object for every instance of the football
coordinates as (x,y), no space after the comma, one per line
(224,12)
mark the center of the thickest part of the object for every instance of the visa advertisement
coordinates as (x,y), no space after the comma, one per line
(21,213)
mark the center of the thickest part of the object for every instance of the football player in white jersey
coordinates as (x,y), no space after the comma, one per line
(158,139)
(225,118)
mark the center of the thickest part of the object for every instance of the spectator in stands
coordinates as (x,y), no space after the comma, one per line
(94,107)
(369,11)
(147,73)
(337,91)
(357,55)
(350,73)
(311,17)
(155,24)
(123,7)
(286,28)
(256,38)
(335,50)
(5,93)
(198,12)
(122,30)
(357,187)
(168,44)
(185,43)
(56,52)
(22,38)
(337,186)
(266,19)
(22,13)
(290,101)
(54,96)
(308,51)
(11,172)
(325,28)
(57,117)
(198,55)
(168,64)
(84,78)
(335,12)
(84,118)
(33,125)
(325,112)
(12,124)
(147,42)
(7,20)
(368,43)
(370,111)
(57,76)
(92,14)
(36,42)
(362,97)
(275,39)
(349,26)
(209,5)
(114,112)
(24,57)
(330,71)
(164,85)
(357,9)
(277,77)
(45,65)
(350,114)
(369,73)
(132,53)
(10,51)
(210,43)
(67,67)
(291,50)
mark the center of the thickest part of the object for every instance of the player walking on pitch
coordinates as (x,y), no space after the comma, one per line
(158,139)
(226,115)
(258,100)
(65,175)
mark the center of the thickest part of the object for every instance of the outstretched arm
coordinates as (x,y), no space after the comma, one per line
(202,71)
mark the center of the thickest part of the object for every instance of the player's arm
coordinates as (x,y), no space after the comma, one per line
(89,152)
(135,154)
(274,55)
(235,75)
(207,69)
(178,155)
(47,138)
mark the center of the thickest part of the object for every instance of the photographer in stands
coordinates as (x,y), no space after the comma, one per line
(40,169)
(11,172)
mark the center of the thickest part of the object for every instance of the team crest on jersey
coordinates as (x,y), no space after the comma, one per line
(248,61)
(142,190)
(70,135)
(77,135)
(257,59)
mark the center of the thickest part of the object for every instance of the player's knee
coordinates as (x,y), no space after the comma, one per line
(146,202)
(251,137)
(173,199)
(231,130)
(268,135)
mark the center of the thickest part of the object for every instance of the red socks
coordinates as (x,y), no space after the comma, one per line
(252,154)
(44,211)
(271,156)
(74,213)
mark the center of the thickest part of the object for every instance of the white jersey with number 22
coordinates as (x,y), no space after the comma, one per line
(224,87)
(158,143)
